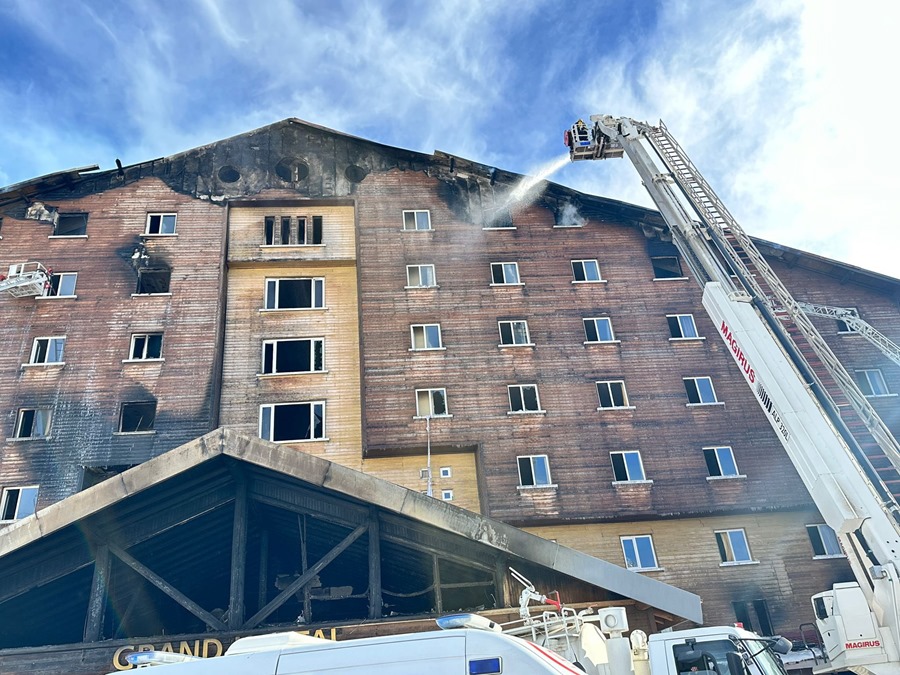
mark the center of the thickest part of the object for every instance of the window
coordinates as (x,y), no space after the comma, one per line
(504,273)
(514,333)
(598,330)
(666,267)
(627,466)
(586,270)
(18,502)
(843,326)
(871,382)
(824,541)
(287,231)
(33,423)
(293,356)
(431,403)
(48,350)
(720,462)
(446,472)
(416,220)
(420,276)
(523,398)
(700,391)
(682,326)
(71,225)
(295,293)
(145,346)
(426,336)
(160,223)
(447,495)
(277,236)
(137,417)
(639,553)
(61,285)
(743,612)
(733,547)
(534,471)
(153,280)
(291,422)
(612,394)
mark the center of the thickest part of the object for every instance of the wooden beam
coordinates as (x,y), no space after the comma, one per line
(238,554)
(304,578)
(93,622)
(304,564)
(167,588)
(375,601)
(436,574)
(263,569)
(500,573)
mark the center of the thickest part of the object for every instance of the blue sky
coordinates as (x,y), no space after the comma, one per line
(784,105)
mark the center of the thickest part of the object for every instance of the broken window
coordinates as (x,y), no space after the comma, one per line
(843,326)
(18,502)
(638,552)
(292,422)
(871,382)
(416,220)
(137,417)
(666,267)
(733,547)
(48,350)
(742,612)
(160,223)
(824,541)
(146,346)
(431,403)
(33,423)
(504,273)
(720,462)
(426,336)
(682,326)
(61,285)
(420,276)
(293,356)
(295,293)
(152,281)
(523,398)
(627,466)
(534,471)
(598,330)
(700,391)
(299,231)
(612,394)
(586,270)
(71,225)
(514,333)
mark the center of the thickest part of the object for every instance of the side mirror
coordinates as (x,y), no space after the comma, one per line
(735,663)
(781,645)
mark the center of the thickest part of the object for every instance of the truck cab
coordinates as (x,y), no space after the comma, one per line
(714,651)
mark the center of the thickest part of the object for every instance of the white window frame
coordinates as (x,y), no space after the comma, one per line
(312,360)
(584,271)
(512,332)
(595,320)
(146,338)
(727,538)
(521,389)
(715,399)
(866,377)
(830,543)
(42,416)
(418,269)
(680,318)
(628,477)
(317,294)
(640,566)
(507,270)
(531,462)
(608,385)
(446,472)
(268,409)
(430,393)
(422,328)
(48,289)
(447,495)
(717,452)
(163,217)
(4,501)
(34,351)
(415,218)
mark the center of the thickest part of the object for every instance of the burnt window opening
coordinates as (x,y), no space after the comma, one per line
(754,615)
(295,293)
(666,267)
(152,281)
(282,231)
(290,169)
(71,225)
(97,474)
(137,417)
(229,174)
(293,356)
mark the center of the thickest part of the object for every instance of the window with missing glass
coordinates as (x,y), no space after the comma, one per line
(295,293)
(291,356)
(586,271)
(627,466)
(61,285)
(47,350)
(137,417)
(160,223)
(146,347)
(33,423)
(431,403)
(292,422)
(700,391)
(18,502)
(682,327)
(598,330)
(824,541)
(666,267)
(612,394)
(534,471)
(523,398)
(71,225)
(514,333)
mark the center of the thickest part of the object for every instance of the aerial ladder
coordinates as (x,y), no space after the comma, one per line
(25,279)
(846,456)
(856,325)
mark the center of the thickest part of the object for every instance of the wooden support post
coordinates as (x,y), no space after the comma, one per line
(436,574)
(263,569)
(375,601)
(500,574)
(93,623)
(238,554)
(304,565)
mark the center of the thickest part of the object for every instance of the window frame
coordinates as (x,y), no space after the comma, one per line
(4,502)
(512,333)
(424,330)
(162,216)
(725,550)
(140,429)
(446,472)
(75,214)
(700,401)
(48,289)
(418,269)
(627,403)
(502,266)
(430,414)
(415,220)
(531,464)
(625,466)
(274,357)
(32,359)
(594,320)
(146,337)
(585,280)
(678,322)
(714,452)
(47,413)
(313,405)
(282,226)
(316,294)
(864,379)
(524,411)
(824,542)
(639,567)
(447,495)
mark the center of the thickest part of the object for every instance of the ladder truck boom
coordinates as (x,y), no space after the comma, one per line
(855,324)
(831,433)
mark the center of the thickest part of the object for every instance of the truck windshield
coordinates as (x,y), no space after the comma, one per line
(715,662)
(766,662)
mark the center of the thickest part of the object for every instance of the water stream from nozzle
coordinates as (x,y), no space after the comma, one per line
(527,189)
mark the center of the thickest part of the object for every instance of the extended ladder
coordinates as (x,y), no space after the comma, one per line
(856,325)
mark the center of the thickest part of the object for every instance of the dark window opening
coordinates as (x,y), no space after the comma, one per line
(137,417)
(161,223)
(612,394)
(288,422)
(97,474)
(666,267)
(153,281)
(62,284)
(285,234)
(293,356)
(71,225)
(147,346)
(33,423)
(760,623)
(295,293)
